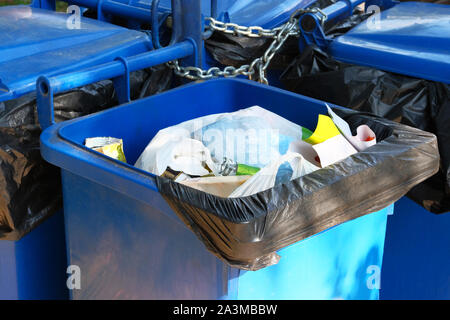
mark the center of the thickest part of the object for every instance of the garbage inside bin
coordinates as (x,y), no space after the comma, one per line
(246,232)
(219,186)
(269,176)
(415,102)
(231,168)
(364,137)
(290,211)
(112,147)
(238,143)
(244,135)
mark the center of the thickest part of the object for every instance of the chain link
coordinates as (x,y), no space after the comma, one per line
(256,70)
(237,30)
(195,73)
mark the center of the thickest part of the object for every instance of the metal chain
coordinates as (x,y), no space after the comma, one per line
(256,70)
(235,29)
(195,73)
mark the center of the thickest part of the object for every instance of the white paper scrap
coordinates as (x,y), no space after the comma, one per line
(333,150)
(306,150)
(364,138)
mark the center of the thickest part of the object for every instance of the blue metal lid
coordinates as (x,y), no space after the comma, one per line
(411,38)
(37,42)
(264,13)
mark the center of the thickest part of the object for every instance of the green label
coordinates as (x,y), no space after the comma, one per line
(244,170)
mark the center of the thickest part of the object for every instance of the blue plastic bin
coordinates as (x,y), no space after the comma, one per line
(35,42)
(129,244)
(35,266)
(416,262)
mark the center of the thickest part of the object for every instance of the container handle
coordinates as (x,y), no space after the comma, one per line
(44,99)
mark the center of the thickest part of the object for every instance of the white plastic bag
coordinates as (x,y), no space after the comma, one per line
(178,153)
(266,177)
(253,136)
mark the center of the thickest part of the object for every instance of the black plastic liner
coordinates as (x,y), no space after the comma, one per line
(30,188)
(231,50)
(416,102)
(246,232)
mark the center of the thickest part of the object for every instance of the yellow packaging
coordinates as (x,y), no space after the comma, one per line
(325,130)
(111,147)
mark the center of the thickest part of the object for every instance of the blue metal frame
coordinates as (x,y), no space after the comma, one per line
(124,9)
(312,24)
(186,44)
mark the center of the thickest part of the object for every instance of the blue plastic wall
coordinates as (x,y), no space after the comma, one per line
(128,242)
(343,262)
(35,266)
(129,250)
(416,262)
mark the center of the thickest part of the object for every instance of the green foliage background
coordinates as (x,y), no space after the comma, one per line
(60,6)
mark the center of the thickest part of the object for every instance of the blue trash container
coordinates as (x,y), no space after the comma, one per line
(416,262)
(35,266)
(144,251)
(129,244)
(34,42)
(410,39)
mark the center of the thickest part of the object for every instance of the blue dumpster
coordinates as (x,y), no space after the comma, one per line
(36,41)
(416,256)
(130,244)
(412,39)
(395,64)
(35,266)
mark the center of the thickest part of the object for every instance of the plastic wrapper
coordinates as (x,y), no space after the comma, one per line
(109,146)
(246,232)
(30,189)
(416,102)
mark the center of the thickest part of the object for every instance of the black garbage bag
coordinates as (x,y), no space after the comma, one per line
(30,189)
(232,50)
(246,232)
(415,102)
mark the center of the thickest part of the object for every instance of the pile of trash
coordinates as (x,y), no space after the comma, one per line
(250,182)
(242,153)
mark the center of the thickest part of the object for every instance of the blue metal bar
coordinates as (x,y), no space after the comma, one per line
(118,70)
(188,25)
(341,8)
(44,4)
(155,24)
(208,33)
(311,24)
(115,69)
(44,97)
(116,8)
(214,8)
(122,83)
(100,14)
